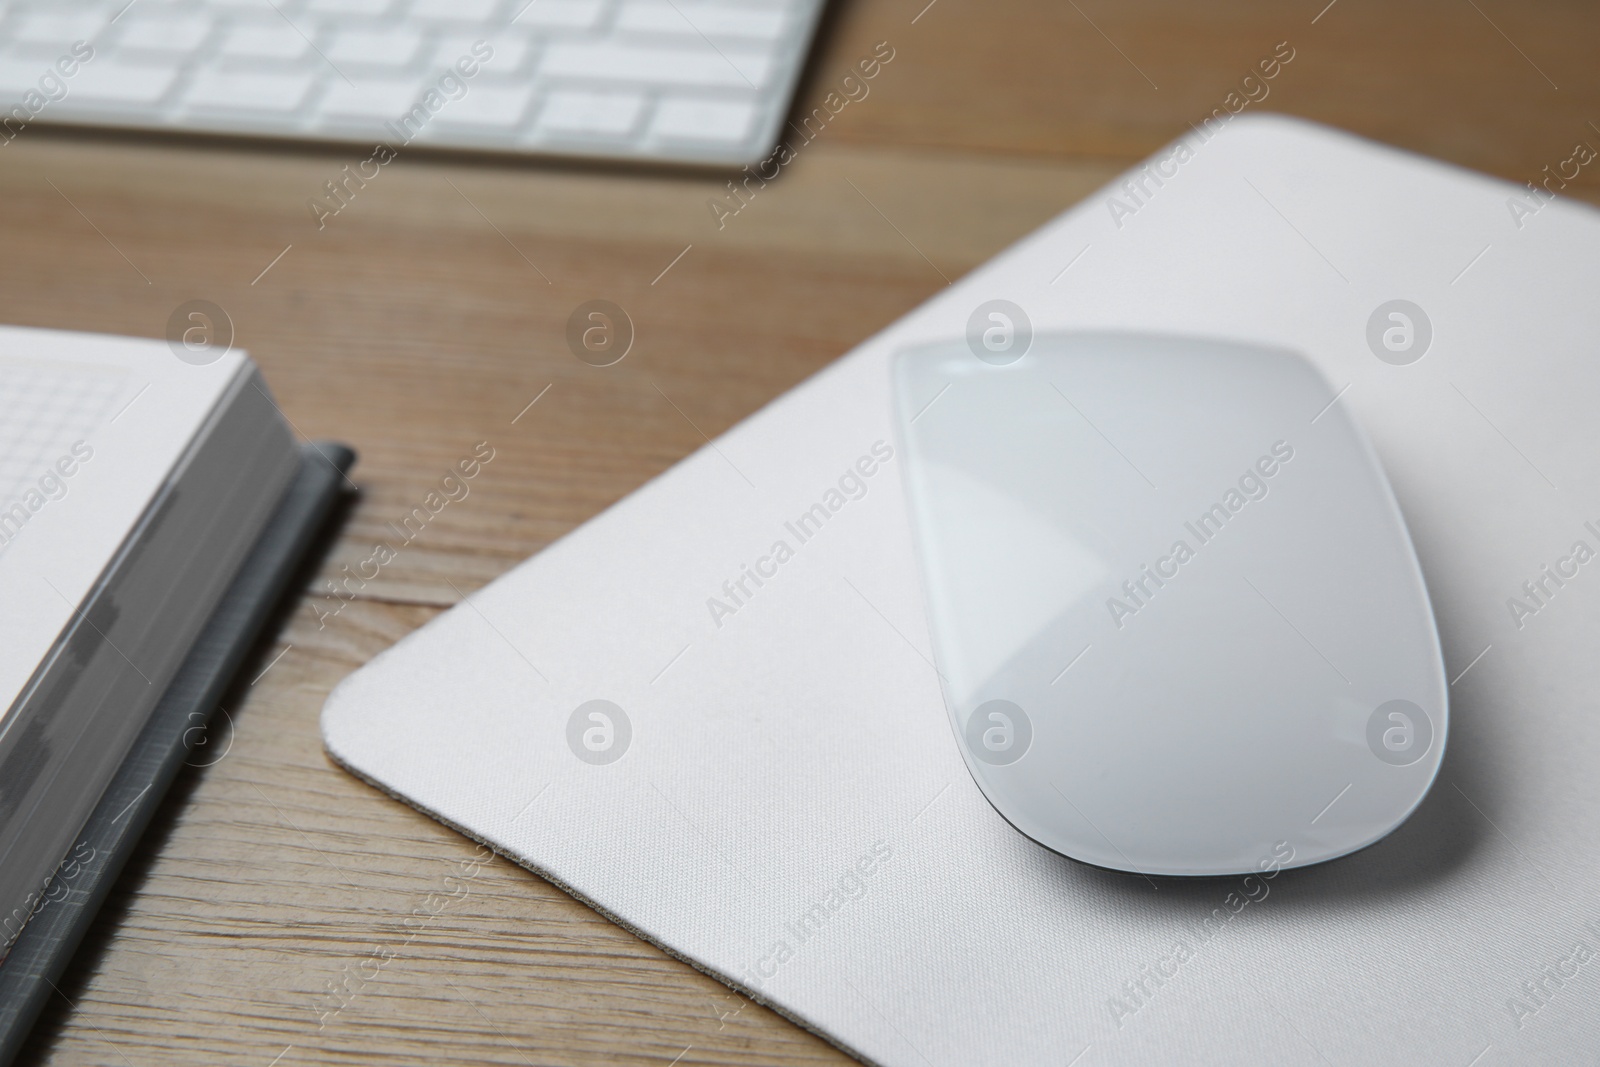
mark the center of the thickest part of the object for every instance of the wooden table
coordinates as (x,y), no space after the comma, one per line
(263,921)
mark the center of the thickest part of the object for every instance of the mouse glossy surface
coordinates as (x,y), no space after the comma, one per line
(1179,623)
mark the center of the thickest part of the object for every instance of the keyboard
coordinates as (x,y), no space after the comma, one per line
(702,82)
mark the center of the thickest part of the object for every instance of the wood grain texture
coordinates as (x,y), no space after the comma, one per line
(273,911)
(1499,86)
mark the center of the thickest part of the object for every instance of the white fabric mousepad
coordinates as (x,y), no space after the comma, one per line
(710,712)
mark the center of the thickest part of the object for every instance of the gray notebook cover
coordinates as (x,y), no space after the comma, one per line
(33,968)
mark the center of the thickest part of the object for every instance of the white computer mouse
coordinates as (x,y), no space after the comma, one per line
(1178,621)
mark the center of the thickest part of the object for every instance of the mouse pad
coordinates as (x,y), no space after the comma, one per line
(710,712)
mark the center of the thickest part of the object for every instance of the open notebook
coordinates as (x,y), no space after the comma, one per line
(758,774)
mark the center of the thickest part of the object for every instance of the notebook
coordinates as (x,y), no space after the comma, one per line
(710,711)
(59,920)
(134,477)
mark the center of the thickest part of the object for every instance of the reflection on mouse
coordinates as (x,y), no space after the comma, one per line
(1178,620)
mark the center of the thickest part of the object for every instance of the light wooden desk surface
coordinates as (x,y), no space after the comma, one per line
(430,312)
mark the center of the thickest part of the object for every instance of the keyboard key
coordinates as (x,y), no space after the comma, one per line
(350,7)
(575,111)
(369,101)
(511,49)
(265,40)
(487,106)
(693,19)
(18,75)
(57,29)
(108,81)
(560,14)
(162,34)
(393,48)
(223,90)
(703,66)
(690,119)
(455,10)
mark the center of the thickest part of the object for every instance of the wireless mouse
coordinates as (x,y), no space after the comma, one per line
(1177,618)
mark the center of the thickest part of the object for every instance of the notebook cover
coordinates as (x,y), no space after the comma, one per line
(46,945)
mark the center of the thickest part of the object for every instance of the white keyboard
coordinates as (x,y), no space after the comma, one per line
(687,81)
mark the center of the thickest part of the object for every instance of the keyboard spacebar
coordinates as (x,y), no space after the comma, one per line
(729,68)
